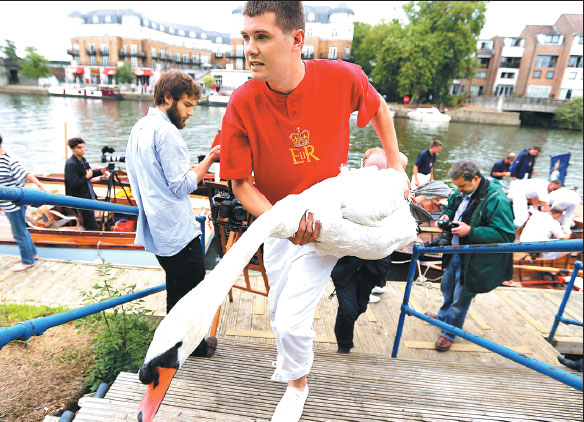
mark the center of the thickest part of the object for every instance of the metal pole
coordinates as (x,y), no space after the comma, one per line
(558,318)
(402,315)
(36,198)
(544,368)
(24,330)
(547,246)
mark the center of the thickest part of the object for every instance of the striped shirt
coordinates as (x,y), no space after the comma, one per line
(12,174)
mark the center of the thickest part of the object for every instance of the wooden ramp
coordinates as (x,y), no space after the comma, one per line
(235,386)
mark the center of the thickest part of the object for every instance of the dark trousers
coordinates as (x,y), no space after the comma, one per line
(89,221)
(353,299)
(184,271)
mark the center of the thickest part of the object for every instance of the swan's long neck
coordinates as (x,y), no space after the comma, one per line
(191,317)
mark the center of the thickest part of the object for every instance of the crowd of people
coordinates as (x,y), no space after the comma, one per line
(292,100)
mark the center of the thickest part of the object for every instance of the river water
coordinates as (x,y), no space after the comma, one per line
(33,129)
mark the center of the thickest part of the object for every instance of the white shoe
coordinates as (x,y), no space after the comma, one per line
(291,405)
(374,299)
(379,290)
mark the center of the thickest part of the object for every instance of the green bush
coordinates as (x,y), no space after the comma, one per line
(570,114)
(121,334)
(11,314)
(453,101)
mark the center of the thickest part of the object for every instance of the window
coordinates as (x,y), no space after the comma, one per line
(549,75)
(484,46)
(484,62)
(153,64)
(108,19)
(308,33)
(537,74)
(347,52)
(133,49)
(105,61)
(162,28)
(332,53)
(203,36)
(219,40)
(457,89)
(334,34)
(193,34)
(95,19)
(76,47)
(162,53)
(311,17)
(546,61)
(92,61)
(551,39)
(153,51)
(538,91)
(481,75)
(476,90)
(218,53)
(511,62)
(575,61)
(171,30)
(134,61)
(195,59)
(177,57)
(185,58)
(181,33)
(91,48)
(572,75)
(507,75)
(239,50)
(146,22)
(168,54)
(516,42)
(580,39)
(504,90)
(218,79)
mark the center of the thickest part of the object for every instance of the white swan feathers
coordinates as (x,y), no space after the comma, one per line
(362,212)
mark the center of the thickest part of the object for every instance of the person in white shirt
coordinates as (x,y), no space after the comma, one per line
(542,226)
(567,200)
(536,190)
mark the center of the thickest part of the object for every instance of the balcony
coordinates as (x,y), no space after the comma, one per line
(485,52)
(91,51)
(154,55)
(123,53)
(349,58)
(74,53)
(103,52)
(307,56)
(235,56)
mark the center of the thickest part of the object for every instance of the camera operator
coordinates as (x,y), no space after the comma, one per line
(78,177)
(480,212)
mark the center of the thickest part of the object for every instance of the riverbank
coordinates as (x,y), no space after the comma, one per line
(42,90)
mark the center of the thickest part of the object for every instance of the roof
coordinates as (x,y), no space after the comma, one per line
(115,16)
(540,29)
(575,21)
(322,14)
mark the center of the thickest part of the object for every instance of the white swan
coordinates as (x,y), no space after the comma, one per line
(362,212)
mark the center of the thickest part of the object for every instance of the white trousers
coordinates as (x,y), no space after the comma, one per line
(520,211)
(298,277)
(422,178)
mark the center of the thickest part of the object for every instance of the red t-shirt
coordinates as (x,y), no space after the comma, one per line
(293,141)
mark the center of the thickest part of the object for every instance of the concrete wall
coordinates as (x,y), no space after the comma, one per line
(484,117)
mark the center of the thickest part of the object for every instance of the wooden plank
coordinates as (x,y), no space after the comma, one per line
(538,326)
(316,312)
(271,335)
(259,305)
(557,301)
(370,315)
(569,345)
(478,319)
(461,347)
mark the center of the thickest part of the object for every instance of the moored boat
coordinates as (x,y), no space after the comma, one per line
(101,92)
(430,115)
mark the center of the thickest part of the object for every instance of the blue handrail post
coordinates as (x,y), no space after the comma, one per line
(405,303)
(559,317)
(201,219)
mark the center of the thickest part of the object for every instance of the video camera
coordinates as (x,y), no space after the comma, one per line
(445,238)
(112,158)
(226,205)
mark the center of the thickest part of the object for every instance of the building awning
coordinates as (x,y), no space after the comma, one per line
(77,70)
(95,71)
(143,72)
(109,71)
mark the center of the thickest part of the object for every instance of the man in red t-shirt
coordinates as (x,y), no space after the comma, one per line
(289,125)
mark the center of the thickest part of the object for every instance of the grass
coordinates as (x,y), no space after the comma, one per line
(11,314)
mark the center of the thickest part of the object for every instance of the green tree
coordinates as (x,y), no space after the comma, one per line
(11,61)
(208,81)
(124,74)
(34,65)
(571,113)
(425,55)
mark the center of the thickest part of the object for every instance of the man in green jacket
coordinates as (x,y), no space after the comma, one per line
(480,213)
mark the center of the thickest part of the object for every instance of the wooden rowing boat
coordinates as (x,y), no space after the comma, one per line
(57,232)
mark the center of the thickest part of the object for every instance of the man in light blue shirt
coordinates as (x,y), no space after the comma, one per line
(162,178)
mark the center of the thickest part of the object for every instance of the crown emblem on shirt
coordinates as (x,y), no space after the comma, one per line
(299,139)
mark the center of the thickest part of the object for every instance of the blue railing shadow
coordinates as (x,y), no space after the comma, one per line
(549,246)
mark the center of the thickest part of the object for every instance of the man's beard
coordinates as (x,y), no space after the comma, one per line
(174,116)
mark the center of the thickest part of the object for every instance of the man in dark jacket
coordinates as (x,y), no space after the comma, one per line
(481,213)
(77,179)
(523,165)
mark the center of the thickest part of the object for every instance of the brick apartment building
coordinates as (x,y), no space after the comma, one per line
(544,61)
(103,39)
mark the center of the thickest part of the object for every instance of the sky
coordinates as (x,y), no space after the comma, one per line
(42,24)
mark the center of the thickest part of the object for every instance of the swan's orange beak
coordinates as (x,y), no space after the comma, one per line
(154,395)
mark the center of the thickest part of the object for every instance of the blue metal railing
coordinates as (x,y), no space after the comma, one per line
(36,198)
(36,327)
(549,246)
(559,316)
